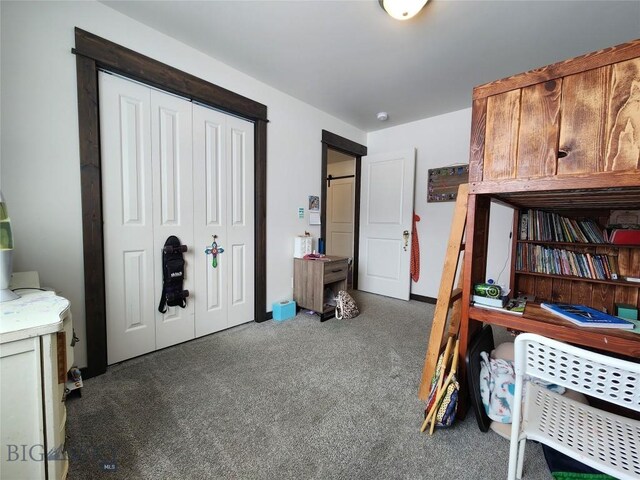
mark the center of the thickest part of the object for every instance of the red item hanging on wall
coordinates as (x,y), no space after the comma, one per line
(415,250)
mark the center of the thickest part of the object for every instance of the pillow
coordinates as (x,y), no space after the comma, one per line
(503,351)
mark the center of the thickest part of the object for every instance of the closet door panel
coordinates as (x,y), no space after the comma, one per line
(128,220)
(212,167)
(210,216)
(240,230)
(171,134)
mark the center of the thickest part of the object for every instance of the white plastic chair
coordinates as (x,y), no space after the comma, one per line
(604,441)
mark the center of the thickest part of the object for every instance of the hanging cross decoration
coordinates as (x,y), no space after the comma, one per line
(214,250)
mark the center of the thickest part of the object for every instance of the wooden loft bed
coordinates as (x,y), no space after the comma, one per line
(563,138)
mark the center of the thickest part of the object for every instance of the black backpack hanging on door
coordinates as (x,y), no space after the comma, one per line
(173,275)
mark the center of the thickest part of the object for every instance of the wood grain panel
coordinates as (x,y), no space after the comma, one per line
(260,219)
(544,289)
(602,297)
(623,117)
(634,263)
(628,295)
(92,238)
(147,70)
(583,121)
(537,320)
(581,292)
(600,58)
(623,294)
(501,142)
(526,284)
(539,127)
(613,182)
(478,128)
(561,291)
(624,257)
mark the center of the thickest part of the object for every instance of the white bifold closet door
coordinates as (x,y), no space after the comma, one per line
(223,205)
(151,143)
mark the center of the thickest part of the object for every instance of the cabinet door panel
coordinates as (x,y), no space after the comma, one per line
(582,126)
(478,130)
(623,117)
(501,144)
(539,126)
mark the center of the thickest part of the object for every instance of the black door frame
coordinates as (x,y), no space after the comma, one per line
(94,53)
(353,149)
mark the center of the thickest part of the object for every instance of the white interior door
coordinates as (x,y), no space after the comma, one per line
(240,242)
(172,162)
(125,137)
(386,209)
(223,206)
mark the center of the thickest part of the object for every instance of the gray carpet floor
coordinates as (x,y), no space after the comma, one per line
(279,400)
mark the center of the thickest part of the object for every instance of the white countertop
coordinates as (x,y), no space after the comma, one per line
(34,313)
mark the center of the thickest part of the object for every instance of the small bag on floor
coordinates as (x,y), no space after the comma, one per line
(346,306)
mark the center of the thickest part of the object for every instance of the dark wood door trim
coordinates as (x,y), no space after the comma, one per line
(353,149)
(94,53)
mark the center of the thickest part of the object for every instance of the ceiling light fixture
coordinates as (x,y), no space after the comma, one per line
(382,116)
(402,9)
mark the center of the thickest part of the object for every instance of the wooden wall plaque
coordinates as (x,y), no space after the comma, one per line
(443,183)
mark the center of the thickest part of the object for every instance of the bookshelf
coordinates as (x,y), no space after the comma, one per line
(589,257)
(553,140)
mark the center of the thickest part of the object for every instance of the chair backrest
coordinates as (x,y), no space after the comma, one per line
(610,379)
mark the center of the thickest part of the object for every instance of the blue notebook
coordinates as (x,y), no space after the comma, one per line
(586,316)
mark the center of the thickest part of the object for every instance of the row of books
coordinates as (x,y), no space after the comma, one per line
(544,226)
(559,261)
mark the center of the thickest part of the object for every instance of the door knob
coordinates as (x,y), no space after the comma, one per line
(405,235)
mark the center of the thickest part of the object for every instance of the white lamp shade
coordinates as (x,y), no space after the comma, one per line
(6,254)
(403,9)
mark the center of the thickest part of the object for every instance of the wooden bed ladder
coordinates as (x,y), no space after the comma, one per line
(447,295)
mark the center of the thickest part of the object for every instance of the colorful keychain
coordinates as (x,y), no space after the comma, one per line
(214,250)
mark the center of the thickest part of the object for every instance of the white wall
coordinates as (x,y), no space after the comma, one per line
(39,153)
(441,141)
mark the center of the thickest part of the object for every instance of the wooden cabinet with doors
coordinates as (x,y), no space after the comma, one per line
(565,139)
(575,117)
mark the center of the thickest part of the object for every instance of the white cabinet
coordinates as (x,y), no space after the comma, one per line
(35,355)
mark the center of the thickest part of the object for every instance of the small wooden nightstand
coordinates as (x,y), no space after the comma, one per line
(312,278)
